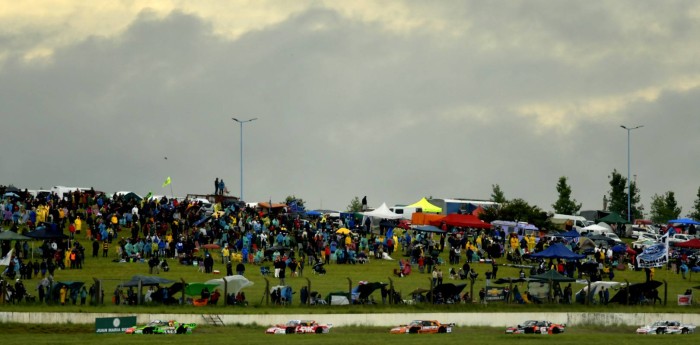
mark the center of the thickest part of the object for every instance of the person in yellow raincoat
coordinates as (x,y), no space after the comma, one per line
(530,243)
(78,224)
(514,243)
(63,294)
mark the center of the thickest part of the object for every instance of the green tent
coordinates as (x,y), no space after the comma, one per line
(613,218)
(13,236)
(552,276)
(195,289)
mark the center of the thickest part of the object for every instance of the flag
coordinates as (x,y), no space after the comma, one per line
(6,260)
(167,181)
(148,196)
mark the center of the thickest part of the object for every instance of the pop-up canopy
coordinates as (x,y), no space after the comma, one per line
(426,206)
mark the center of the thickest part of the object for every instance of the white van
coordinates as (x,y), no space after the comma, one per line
(561,219)
(406,212)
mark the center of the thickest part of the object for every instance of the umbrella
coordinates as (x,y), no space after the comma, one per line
(211,246)
(313,213)
(343,231)
(201,221)
(269,251)
(635,291)
(10,194)
(449,289)
(364,290)
(620,248)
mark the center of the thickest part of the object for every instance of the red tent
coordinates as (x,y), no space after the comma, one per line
(694,243)
(463,220)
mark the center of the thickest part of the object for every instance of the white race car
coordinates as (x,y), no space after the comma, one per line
(666,327)
(299,327)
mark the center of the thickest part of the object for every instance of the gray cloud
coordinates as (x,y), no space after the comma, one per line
(348,109)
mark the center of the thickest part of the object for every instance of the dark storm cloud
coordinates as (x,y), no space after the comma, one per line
(346,108)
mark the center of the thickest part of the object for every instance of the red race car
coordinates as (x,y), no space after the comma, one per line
(537,327)
(299,327)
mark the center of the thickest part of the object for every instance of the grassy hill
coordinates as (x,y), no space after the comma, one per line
(338,278)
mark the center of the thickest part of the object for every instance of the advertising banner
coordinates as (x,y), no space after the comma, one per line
(114,324)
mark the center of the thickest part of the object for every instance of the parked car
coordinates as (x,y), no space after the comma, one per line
(675,238)
(648,236)
(612,236)
(666,327)
(423,326)
(537,327)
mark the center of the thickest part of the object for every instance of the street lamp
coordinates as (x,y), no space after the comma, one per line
(629,182)
(241,122)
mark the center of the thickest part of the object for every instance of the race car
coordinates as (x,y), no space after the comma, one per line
(163,327)
(666,327)
(537,327)
(423,326)
(299,327)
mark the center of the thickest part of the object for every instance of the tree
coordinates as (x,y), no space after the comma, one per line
(565,205)
(664,208)
(636,208)
(517,210)
(497,194)
(695,214)
(295,204)
(618,196)
(355,205)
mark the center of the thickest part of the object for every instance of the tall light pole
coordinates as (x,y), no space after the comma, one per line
(629,182)
(241,122)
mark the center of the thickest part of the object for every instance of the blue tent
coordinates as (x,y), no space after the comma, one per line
(427,228)
(569,234)
(558,251)
(47,231)
(686,221)
(313,213)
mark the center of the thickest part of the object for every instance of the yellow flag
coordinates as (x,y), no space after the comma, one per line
(167,181)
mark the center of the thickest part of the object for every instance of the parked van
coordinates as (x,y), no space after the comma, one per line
(405,212)
(63,191)
(560,220)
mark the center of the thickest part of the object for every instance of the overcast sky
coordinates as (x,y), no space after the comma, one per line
(392,100)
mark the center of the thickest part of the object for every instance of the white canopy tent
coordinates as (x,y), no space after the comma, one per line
(232,284)
(595,227)
(382,212)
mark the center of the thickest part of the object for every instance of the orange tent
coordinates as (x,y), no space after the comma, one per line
(419,218)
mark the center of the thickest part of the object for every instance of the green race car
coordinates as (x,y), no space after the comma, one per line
(163,327)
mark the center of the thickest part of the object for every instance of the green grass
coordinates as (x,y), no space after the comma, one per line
(17,334)
(335,280)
